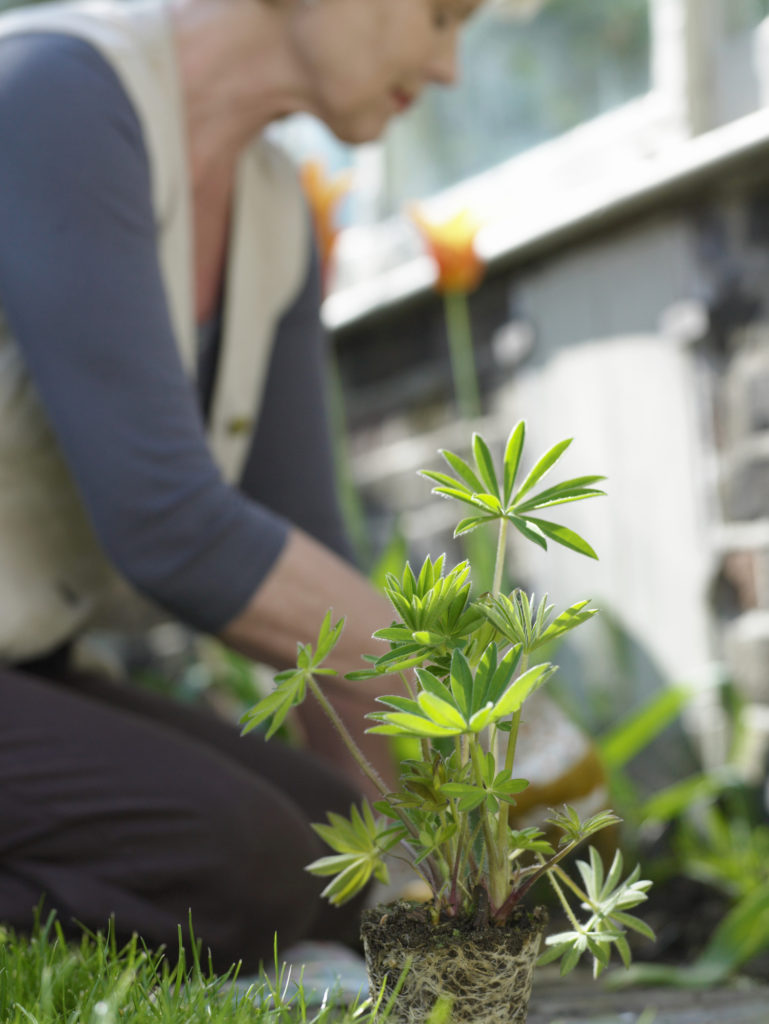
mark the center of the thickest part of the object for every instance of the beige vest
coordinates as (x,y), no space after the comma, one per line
(54,578)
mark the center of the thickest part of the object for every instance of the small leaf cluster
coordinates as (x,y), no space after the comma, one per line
(491,787)
(515,618)
(435,614)
(360,843)
(608,898)
(291,685)
(470,702)
(466,668)
(478,486)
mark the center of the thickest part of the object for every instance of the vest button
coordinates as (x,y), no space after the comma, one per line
(239,425)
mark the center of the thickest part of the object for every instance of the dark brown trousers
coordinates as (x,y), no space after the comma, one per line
(115,803)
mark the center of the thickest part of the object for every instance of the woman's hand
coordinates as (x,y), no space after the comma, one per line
(288,607)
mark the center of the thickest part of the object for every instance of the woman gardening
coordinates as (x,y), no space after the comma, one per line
(157,293)
(163,434)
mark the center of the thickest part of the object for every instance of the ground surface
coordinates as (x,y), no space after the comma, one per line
(579,1000)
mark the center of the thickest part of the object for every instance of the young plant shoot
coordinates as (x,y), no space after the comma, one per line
(467,667)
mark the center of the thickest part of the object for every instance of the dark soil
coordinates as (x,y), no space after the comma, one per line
(411,925)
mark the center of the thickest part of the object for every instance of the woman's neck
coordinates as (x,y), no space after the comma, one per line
(237,74)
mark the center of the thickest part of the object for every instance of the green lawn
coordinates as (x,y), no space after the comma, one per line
(47,980)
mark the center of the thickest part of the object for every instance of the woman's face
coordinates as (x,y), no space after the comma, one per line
(367,60)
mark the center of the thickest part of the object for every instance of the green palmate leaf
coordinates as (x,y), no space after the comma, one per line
(573,829)
(462,682)
(529,840)
(483,718)
(634,924)
(402,658)
(472,523)
(623,948)
(327,638)
(508,615)
(352,880)
(490,502)
(512,459)
(506,786)
(441,712)
(400,704)
(428,639)
(485,464)
(498,675)
(396,634)
(543,466)
(479,487)
(470,702)
(449,481)
(575,489)
(397,723)
(562,535)
(289,693)
(567,620)
(429,575)
(436,612)
(463,470)
(360,843)
(512,699)
(432,684)
(512,617)
(528,530)
(291,688)
(399,654)
(332,865)
(407,583)
(468,797)
(535,505)
(453,492)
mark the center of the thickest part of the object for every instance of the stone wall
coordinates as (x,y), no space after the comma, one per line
(646,341)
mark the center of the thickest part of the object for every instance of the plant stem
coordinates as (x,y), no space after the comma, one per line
(581,895)
(407,683)
(544,869)
(368,770)
(497,867)
(503,823)
(360,758)
(497,879)
(499,562)
(460,338)
(559,893)
(463,749)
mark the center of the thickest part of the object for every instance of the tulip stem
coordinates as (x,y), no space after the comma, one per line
(463,369)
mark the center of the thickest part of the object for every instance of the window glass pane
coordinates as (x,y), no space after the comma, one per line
(522,83)
(744,14)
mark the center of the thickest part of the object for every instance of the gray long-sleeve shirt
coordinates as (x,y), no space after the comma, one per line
(81,288)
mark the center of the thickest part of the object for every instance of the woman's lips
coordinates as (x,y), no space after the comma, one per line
(402,99)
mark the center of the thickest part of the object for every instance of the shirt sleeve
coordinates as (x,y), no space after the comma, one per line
(81,288)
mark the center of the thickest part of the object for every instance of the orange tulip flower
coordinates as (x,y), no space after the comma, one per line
(452,245)
(324,194)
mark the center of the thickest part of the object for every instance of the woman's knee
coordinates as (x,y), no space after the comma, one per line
(260,845)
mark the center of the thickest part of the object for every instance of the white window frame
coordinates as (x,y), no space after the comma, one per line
(553,184)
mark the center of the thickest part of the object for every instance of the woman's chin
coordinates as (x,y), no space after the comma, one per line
(356,131)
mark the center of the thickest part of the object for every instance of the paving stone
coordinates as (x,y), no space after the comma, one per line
(583,1001)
